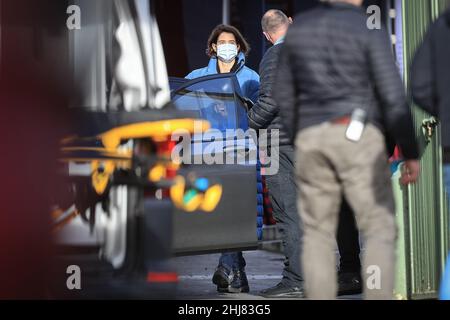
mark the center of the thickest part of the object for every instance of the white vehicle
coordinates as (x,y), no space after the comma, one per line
(119,69)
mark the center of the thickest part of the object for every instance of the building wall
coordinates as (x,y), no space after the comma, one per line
(186,24)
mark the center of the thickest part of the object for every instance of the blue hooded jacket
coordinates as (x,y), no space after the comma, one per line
(247,78)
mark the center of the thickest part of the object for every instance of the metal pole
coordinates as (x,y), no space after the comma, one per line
(226,11)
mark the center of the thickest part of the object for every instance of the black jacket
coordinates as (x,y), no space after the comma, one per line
(332,63)
(430,76)
(265,112)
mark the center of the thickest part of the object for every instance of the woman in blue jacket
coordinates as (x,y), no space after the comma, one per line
(227,49)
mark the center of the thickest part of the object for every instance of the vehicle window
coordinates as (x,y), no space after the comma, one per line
(215,100)
(176,83)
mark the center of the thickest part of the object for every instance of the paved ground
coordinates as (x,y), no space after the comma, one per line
(195,273)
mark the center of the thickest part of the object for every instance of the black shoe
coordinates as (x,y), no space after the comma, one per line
(282,290)
(349,283)
(239,283)
(221,278)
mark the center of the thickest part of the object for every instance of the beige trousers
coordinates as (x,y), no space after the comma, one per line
(329,166)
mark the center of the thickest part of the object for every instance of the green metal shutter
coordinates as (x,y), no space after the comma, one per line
(422,212)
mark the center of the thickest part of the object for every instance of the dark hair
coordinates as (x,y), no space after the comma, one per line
(243,44)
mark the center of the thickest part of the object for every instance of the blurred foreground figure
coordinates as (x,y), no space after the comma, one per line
(340,94)
(32,102)
(430,88)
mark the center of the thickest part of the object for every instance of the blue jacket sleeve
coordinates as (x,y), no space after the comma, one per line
(253,89)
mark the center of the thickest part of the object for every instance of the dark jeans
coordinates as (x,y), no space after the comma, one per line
(232,261)
(283,196)
(348,240)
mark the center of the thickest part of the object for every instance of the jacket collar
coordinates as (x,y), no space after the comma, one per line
(279,41)
(212,65)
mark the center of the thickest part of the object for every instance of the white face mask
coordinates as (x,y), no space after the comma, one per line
(227,52)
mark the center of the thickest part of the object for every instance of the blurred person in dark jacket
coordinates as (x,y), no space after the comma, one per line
(332,69)
(430,80)
(430,84)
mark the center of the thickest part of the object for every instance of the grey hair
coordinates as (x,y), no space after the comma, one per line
(273,20)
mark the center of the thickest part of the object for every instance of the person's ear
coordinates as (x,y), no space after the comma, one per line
(214,47)
(290,20)
(267,36)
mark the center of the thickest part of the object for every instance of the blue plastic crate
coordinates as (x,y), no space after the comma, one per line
(259,233)
(260,199)
(259,222)
(260,210)
(259,187)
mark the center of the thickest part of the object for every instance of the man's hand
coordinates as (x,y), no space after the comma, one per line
(410,172)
